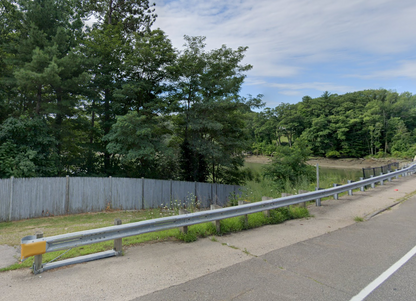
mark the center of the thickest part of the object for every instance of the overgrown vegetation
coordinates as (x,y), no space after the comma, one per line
(289,166)
(12,232)
(115,98)
(260,186)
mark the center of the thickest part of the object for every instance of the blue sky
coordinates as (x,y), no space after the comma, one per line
(305,47)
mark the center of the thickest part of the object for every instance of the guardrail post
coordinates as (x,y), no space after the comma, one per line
(335,195)
(37,263)
(372,184)
(349,191)
(285,194)
(301,191)
(183,229)
(216,223)
(362,188)
(381,181)
(317,201)
(389,178)
(118,243)
(245,215)
(266,212)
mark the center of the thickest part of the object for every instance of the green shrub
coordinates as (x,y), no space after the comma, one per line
(298,212)
(333,154)
(278,216)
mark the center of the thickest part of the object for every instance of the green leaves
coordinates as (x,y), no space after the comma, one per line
(26,148)
(351,125)
(134,15)
(289,164)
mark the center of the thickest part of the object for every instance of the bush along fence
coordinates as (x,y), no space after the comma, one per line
(22,198)
(375,171)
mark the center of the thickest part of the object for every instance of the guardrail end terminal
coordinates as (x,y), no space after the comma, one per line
(29,248)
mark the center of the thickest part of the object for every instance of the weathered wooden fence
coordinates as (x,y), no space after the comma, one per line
(22,198)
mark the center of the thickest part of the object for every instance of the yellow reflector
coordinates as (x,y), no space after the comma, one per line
(32,249)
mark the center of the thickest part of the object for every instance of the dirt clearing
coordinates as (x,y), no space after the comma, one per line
(347,163)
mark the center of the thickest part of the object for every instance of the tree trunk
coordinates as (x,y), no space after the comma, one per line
(59,119)
(39,99)
(106,130)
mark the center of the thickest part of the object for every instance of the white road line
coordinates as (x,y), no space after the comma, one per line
(383,277)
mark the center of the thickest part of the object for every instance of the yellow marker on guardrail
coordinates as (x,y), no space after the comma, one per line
(31,248)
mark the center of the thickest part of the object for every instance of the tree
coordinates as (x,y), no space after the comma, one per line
(289,164)
(27,148)
(289,121)
(135,16)
(141,144)
(50,76)
(109,42)
(210,122)
(10,28)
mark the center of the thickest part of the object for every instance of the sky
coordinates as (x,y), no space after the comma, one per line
(305,47)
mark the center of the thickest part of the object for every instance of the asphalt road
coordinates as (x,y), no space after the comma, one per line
(333,266)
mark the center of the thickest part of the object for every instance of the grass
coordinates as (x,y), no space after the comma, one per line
(12,232)
(259,186)
(358,219)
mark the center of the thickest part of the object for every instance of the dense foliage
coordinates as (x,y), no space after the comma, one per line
(365,123)
(88,88)
(114,98)
(289,165)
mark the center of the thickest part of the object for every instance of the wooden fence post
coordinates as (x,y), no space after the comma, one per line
(183,229)
(300,191)
(66,209)
(266,198)
(142,193)
(245,215)
(216,223)
(11,198)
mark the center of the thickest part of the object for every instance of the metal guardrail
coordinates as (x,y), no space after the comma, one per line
(36,246)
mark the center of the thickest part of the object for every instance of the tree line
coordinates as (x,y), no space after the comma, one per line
(88,88)
(365,123)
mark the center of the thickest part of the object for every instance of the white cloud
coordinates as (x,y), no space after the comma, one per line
(288,28)
(299,89)
(406,69)
(306,41)
(313,86)
(291,93)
